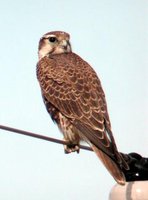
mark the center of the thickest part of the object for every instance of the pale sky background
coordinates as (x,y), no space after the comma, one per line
(112,35)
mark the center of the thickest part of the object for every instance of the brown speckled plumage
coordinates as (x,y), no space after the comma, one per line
(74,98)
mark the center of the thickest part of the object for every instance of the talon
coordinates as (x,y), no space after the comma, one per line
(77,148)
(67,149)
(71,148)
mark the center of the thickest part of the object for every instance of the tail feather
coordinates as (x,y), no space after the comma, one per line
(106,150)
(111,166)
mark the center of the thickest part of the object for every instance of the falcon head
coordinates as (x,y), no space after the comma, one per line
(55,42)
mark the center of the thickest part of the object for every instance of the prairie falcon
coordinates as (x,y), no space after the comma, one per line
(74,98)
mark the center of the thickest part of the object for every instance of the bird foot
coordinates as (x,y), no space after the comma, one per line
(69,148)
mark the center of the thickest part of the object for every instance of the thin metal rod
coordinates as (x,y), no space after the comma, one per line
(22,132)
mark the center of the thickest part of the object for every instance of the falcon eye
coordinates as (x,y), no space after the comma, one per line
(52,39)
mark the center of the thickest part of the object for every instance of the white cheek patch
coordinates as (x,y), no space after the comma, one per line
(59,50)
(45,49)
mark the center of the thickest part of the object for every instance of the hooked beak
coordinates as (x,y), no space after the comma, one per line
(65,44)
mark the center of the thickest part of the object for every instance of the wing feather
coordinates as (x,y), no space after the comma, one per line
(72,86)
